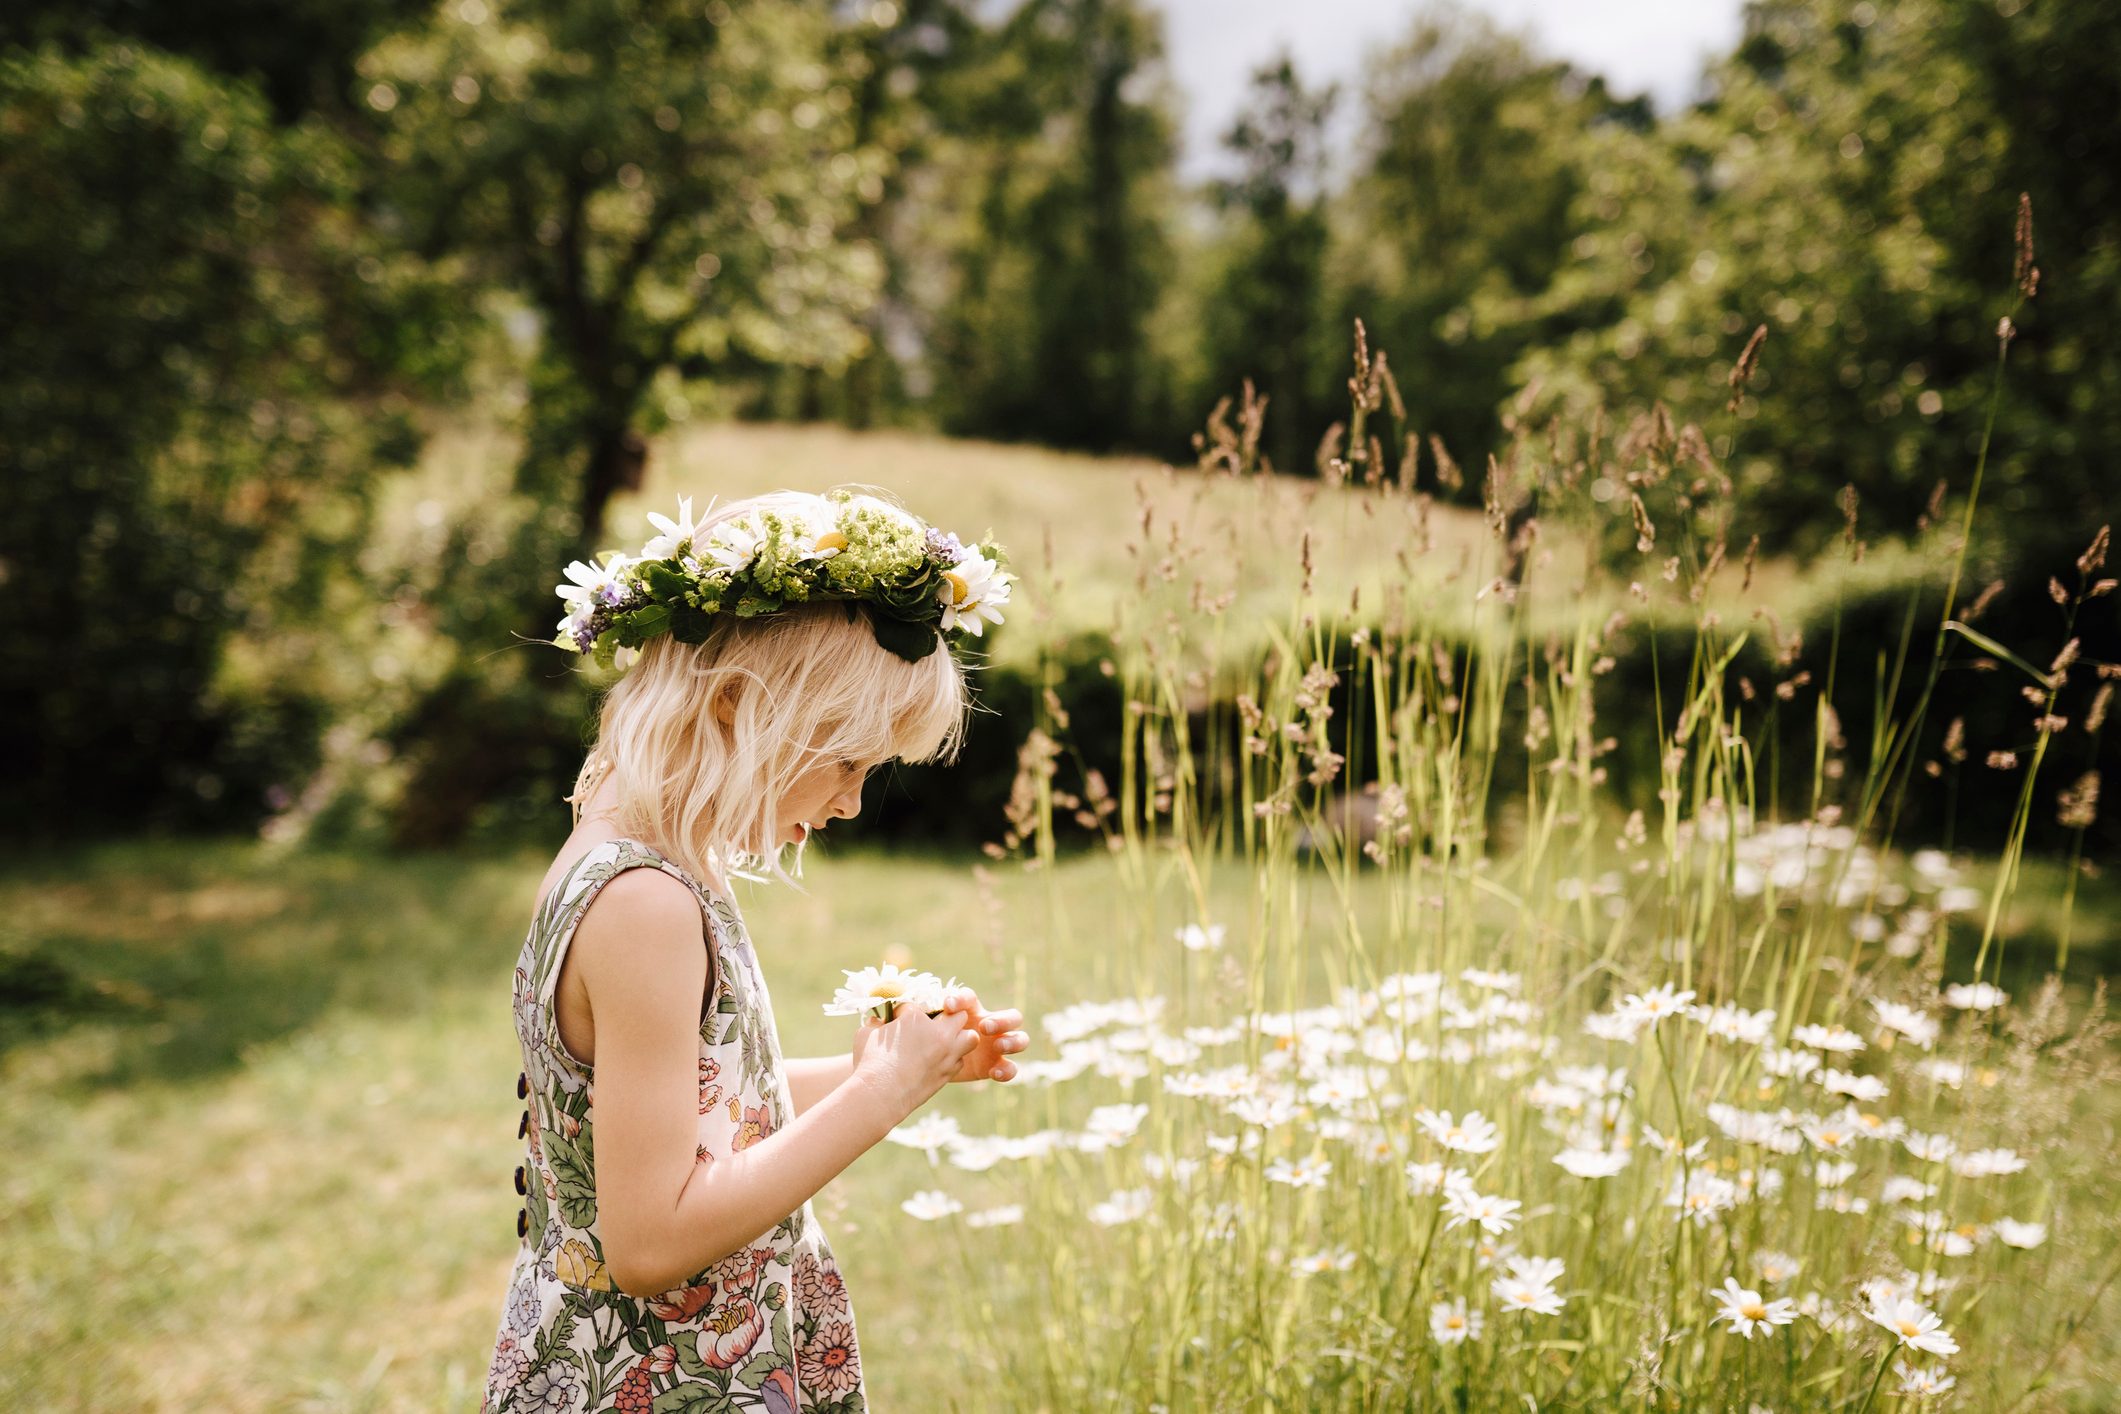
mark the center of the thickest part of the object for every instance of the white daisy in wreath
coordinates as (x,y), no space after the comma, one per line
(736,543)
(677,536)
(973,593)
(590,585)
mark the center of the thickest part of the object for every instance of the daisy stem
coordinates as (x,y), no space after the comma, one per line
(1877,1380)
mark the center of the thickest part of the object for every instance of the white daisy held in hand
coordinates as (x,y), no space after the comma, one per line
(883,989)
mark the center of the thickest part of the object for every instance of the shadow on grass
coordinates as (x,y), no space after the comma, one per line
(177,957)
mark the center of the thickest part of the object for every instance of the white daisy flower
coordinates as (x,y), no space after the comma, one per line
(1920,1380)
(1474,1134)
(1867,1088)
(1747,1312)
(735,542)
(1987,1163)
(1930,1148)
(1114,1125)
(1490,1213)
(1734,1023)
(1529,1287)
(1906,1021)
(1838,1039)
(1592,1163)
(1450,1323)
(1657,1004)
(882,988)
(973,593)
(593,586)
(1124,1206)
(1302,1173)
(1424,1179)
(930,1204)
(1776,1268)
(928,1134)
(1003,1216)
(1319,1263)
(2012,1233)
(1913,1324)
(1200,939)
(676,536)
(1975,996)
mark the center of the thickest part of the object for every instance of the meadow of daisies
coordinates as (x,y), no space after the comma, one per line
(1413,1090)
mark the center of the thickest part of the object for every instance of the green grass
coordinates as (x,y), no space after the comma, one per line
(260,1110)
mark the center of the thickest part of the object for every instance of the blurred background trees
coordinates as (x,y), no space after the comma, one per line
(256,259)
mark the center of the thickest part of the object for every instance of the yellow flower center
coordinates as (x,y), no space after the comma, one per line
(831,540)
(1909,1329)
(959,590)
(890,991)
(1753,1311)
(1455,1323)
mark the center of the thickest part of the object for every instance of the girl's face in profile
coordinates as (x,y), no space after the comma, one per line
(829,789)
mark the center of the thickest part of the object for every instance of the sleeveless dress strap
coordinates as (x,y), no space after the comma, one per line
(568,902)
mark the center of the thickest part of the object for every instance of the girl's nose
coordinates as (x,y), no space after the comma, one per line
(848,804)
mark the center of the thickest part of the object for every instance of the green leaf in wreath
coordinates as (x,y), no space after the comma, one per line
(663,582)
(689,625)
(644,624)
(911,641)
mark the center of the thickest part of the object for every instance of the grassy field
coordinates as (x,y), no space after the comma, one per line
(261,1117)
(260,1111)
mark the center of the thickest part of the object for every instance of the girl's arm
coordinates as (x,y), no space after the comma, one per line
(662,1214)
(810,1078)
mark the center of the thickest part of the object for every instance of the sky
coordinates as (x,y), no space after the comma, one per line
(1653,46)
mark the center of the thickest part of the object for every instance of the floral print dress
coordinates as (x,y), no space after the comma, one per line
(769,1327)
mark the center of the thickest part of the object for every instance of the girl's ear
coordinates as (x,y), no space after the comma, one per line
(723,701)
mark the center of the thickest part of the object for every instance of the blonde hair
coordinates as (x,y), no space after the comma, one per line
(805,684)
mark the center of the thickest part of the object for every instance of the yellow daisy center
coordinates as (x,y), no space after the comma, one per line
(1910,1329)
(891,990)
(831,540)
(959,590)
(1753,1311)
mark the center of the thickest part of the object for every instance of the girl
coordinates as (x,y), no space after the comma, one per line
(775,653)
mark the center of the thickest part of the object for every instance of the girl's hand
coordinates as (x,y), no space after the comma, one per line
(999,1037)
(913,1055)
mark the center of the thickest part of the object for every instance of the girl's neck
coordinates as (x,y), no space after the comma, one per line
(598,821)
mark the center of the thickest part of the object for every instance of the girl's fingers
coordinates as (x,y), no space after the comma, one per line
(1003,1070)
(996,1022)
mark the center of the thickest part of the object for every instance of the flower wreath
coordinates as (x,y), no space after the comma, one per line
(924,586)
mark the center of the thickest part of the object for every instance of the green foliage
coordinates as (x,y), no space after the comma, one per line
(1852,186)
(189,411)
(1055,220)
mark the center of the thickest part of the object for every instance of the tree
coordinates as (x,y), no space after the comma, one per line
(195,394)
(1264,315)
(659,180)
(1852,185)
(1468,191)
(1058,188)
